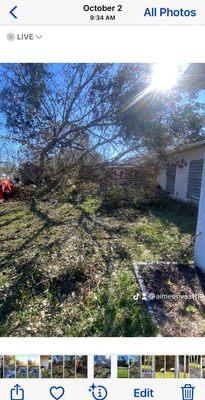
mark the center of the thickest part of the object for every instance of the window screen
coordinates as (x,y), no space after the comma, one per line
(194,179)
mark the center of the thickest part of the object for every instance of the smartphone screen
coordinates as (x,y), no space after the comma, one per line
(102,193)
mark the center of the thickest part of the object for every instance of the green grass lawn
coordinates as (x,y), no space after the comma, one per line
(66,266)
(122,372)
(181,375)
(169,375)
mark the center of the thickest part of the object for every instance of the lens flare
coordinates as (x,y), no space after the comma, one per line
(164,76)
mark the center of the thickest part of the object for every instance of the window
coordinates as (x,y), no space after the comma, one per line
(194,180)
(171,177)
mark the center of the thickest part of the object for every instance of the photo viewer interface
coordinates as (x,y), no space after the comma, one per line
(102,200)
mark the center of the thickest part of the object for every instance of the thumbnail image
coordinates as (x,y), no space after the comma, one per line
(135,367)
(195,367)
(9,367)
(33,366)
(69,367)
(160,367)
(57,366)
(102,366)
(183,370)
(203,366)
(147,368)
(46,366)
(1,366)
(21,367)
(171,368)
(81,366)
(83,148)
(123,367)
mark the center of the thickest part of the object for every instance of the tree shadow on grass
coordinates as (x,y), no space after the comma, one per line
(29,280)
(179,214)
(10,221)
(88,224)
(29,283)
(42,215)
(47,223)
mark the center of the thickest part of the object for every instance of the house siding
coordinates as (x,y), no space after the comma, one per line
(199,256)
(195,179)
(182,172)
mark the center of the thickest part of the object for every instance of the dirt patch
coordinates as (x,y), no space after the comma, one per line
(179,303)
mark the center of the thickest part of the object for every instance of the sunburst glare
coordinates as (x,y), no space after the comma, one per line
(165,76)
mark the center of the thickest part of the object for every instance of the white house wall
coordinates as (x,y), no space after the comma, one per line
(200,237)
(181,181)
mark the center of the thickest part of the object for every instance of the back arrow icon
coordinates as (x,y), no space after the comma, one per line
(12,12)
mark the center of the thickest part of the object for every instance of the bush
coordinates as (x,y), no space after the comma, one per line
(117,197)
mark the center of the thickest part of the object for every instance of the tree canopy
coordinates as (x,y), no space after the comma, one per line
(89,109)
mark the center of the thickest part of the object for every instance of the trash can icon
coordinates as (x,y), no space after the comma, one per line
(188,392)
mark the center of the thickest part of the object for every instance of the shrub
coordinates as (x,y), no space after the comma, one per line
(116,197)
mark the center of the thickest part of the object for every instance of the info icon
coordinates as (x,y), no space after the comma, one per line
(98,392)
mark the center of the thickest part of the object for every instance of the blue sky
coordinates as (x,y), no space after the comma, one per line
(202,96)
(4,151)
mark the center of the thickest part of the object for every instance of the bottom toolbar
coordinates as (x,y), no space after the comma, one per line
(101,377)
(101,390)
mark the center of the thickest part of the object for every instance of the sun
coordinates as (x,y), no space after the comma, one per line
(164,76)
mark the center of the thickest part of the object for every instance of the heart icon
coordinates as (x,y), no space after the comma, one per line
(57,392)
